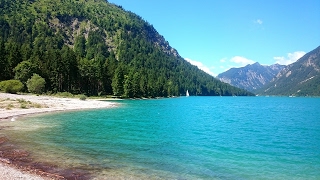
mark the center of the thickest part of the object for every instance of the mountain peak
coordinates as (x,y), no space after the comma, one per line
(256,64)
(251,77)
(300,78)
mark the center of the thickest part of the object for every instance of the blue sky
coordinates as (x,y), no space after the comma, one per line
(217,35)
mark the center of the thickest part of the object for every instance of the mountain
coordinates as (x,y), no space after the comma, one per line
(95,47)
(251,77)
(301,78)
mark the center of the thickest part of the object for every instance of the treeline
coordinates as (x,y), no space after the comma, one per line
(94,48)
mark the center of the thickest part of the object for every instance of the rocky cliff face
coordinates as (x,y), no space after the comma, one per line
(301,78)
(250,77)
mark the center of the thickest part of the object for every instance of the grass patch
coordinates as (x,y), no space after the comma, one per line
(23,106)
(64,95)
(36,105)
(9,106)
(83,97)
(21,100)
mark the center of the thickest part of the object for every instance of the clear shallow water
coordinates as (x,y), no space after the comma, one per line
(183,138)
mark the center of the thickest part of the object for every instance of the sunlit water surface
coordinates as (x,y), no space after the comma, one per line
(182,138)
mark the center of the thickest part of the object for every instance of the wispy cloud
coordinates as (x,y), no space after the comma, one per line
(201,66)
(258,21)
(223,60)
(234,62)
(291,58)
(241,61)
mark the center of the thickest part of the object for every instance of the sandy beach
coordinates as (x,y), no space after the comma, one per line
(42,104)
(13,106)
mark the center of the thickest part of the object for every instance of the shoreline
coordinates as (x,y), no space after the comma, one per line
(14,162)
(46,104)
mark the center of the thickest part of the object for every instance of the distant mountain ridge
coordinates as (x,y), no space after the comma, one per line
(301,78)
(251,77)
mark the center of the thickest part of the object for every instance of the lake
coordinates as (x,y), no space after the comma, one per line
(181,138)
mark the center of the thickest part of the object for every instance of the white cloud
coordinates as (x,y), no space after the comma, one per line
(258,21)
(223,60)
(291,58)
(201,66)
(242,61)
(223,65)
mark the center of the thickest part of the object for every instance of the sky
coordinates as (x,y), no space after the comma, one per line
(217,35)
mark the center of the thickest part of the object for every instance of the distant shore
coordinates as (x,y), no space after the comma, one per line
(13,106)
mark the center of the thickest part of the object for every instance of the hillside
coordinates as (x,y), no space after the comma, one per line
(251,77)
(94,47)
(301,78)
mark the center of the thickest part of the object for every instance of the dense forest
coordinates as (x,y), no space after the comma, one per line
(93,47)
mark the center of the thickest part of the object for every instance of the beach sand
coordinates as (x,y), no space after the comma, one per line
(10,173)
(13,106)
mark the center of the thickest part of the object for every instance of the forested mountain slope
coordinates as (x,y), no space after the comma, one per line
(94,47)
(301,78)
(251,77)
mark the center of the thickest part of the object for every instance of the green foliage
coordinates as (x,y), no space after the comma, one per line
(3,60)
(11,86)
(24,70)
(89,70)
(36,84)
(83,97)
(23,106)
(64,94)
(9,106)
(80,46)
(94,48)
(21,100)
(118,81)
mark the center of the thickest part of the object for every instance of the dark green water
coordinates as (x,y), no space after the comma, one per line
(182,138)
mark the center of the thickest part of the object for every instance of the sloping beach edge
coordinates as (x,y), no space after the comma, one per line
(45,104)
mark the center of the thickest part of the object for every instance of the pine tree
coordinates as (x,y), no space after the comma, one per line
(80,46)
(3,62)
(118,81)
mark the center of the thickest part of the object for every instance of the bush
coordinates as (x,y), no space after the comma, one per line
(23,71)
(64,94)
(11,86)
(36,84)
(23,106)
(83,97)
(9,106)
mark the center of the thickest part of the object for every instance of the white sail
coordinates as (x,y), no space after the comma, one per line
(187,93)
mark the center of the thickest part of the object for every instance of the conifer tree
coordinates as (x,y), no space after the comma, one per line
(3,61)
(118,81)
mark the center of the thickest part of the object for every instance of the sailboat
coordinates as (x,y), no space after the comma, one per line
(187,93)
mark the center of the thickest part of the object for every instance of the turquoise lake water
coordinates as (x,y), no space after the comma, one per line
(182,138)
